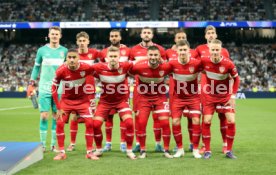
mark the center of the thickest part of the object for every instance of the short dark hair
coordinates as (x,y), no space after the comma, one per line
(147,28)
(182,43)
(72,50)
(115,30)
(153,48)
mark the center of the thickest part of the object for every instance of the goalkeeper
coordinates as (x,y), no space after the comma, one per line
(48,58)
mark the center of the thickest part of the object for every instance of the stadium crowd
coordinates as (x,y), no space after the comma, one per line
(122,10)
(256,65)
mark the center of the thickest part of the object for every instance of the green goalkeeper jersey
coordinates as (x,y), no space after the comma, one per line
(46,63)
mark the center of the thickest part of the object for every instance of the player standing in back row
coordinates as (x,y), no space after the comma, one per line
(203,51)
(89,56)
(48,59)
(137,53)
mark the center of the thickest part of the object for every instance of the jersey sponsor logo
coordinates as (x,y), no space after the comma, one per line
(90,56)
(123,52)
(82,73)
(61,54)
(192,69)
(68,76)
(176,69)
(221,69)
(2,148)
(120,70)
(161,73)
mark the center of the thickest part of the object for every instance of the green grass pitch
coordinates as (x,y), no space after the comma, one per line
(255,145)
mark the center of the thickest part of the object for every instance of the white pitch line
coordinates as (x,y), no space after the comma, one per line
(6,109)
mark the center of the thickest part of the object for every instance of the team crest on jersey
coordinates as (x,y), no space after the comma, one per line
(192,69)
(161,73)
(61,54)
(123,52)
(120,70)
(221,69)
(90,56)
(82,73)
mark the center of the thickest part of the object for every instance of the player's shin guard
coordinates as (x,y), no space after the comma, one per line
(156,128)
(196,135)
(108,128)
(60,134)
(89,135)
(73,131)
(230,134)
(54,137)
(129,132)
(190,129)
(177,135)
(165,124)
(98,133)
(206,135)
(123,130)
(43,126)
(223,126)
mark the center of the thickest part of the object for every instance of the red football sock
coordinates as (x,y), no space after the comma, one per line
(223,126)
(136,128)
(129,132)
(190,129)
(196,135)
(98,136)
(165,124)
(231,131)
(73,131)
(206,135)
(108,128)
(177,135)
(156,127)
(123,130)
(60,134)
(89,135)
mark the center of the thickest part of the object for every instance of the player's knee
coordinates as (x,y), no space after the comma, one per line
(74,117)
(89,123)
(97,124)
(44,115)
(207,119)
(128,122)
(176,121)
(196,120)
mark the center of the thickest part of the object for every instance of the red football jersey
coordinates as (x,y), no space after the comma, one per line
(114,86)
(218,82)
(124,53)
(139,52)
(150,83)
(73,83)
(90,57)
(185,78)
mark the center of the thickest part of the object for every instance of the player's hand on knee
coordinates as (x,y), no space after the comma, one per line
(231,102)
(59,115)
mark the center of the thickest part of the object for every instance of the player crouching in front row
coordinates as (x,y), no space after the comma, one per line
(73,74)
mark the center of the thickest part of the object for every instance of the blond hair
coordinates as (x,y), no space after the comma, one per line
(209,27)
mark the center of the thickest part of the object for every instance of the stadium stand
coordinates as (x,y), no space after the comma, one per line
(137,10)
